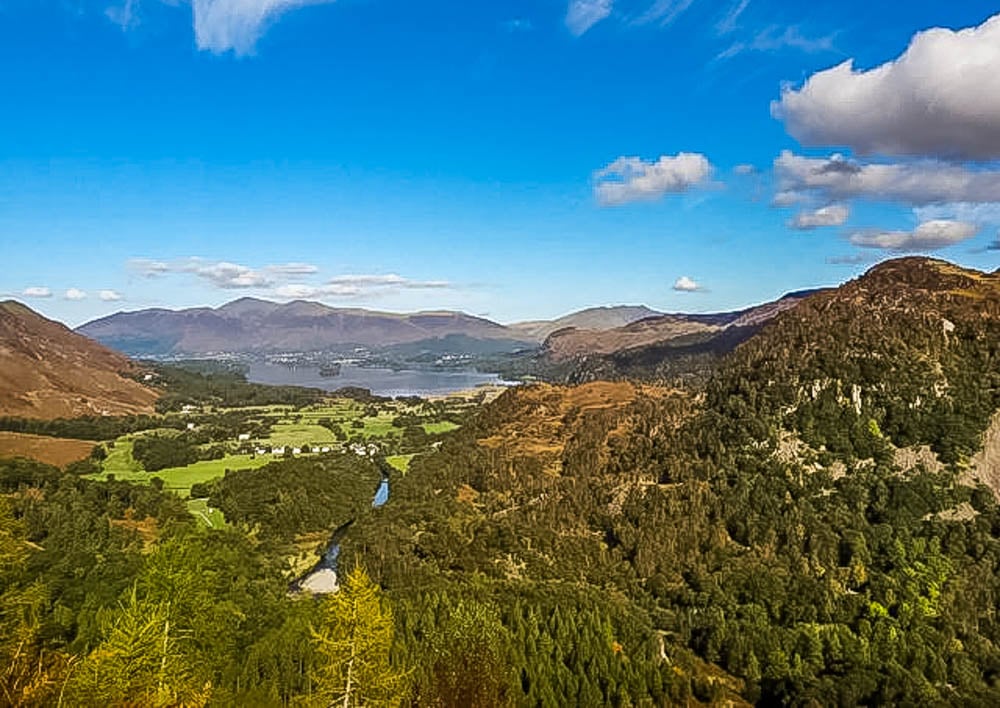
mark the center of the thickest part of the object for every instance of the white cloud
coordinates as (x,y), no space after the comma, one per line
(776,38)
(744,170)
(75,294)
(631,179)
(928,236)
(581,15)
(356,286)
(293,269)
(37,291)
(110,296)
(228,276)
(916,183)
(236,25)
(831,215)
(148,268)
(941,98)
(685,284)
(729,22)
(984,213)
(223,274)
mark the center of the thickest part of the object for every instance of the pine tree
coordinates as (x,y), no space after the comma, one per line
(352,641)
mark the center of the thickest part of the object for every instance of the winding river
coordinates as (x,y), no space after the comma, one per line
(322,579)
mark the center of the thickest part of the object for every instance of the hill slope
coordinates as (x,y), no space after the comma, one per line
(48,371)
(593,318)
(765,522)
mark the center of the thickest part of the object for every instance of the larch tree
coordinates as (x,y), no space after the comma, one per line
(352,639)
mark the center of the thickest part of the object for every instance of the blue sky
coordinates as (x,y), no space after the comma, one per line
(513,159)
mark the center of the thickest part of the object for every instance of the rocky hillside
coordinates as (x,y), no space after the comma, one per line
(48,371)
(765,523)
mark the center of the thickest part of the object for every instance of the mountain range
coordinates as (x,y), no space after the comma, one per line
(252,326)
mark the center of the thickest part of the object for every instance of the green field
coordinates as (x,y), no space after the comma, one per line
(445,426)
(291,428)
(400,462)
(210,517)
(180,479)
(299,435)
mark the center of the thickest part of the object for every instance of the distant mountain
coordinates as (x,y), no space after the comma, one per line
(257,326)
(661,346)
(594,318)
(48,371)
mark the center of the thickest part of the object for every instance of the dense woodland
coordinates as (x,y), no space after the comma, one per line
(756,539)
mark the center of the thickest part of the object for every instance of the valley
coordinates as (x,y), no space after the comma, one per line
(807,514)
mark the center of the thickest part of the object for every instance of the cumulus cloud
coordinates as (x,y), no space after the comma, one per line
(148,268)
(75,294)
(632,179)
(940,98)
(236,25)
(581,15)
(110,296)
(776,38)
(831,215)
(684,284)
(37,291)
(916,183)
(928,236)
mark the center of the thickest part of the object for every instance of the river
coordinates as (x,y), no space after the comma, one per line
(322,579)
(381,382)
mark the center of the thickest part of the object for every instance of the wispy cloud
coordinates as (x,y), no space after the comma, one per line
(236,25)
(358,286)
(776,38)
(224,274)
(37,291)
(663,12)
(125,14)
(282,280)
(581,15)
(853,259)
(730,21)
(632,179)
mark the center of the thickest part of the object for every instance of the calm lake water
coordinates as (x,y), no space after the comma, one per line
(381,382)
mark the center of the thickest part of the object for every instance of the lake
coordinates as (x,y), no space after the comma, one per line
(381,382)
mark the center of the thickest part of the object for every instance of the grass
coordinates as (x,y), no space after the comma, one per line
(400,462)
(445,426)
(299,435)
(177,479)
(209,517)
